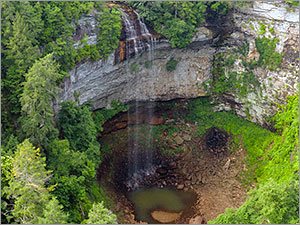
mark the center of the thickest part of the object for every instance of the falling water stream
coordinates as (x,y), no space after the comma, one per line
(152,205)
(140,159)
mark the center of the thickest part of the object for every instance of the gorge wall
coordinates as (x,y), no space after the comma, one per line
(144,77)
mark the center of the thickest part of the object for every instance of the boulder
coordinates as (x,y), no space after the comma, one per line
(173,165)
(180,186)
(118,206)
(161,171)
(170,121)
(165,217)
(227,164)
(204,180)
(196,220)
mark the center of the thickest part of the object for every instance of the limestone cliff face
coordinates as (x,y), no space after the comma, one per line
(144,77)
(269,20)
(131,80)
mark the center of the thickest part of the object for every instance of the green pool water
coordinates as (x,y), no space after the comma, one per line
(170,200)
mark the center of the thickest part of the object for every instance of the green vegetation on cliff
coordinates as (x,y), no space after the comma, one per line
(269,154)
(109,31)
(179,20)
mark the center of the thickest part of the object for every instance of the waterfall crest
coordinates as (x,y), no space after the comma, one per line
(136,37)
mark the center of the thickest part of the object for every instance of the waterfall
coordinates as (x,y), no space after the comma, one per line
(140,156)
(138,37)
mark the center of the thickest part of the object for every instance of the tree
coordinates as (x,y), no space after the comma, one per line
(109,31)
(6,177)
(73,178)
(77,125)
(40,90)
(28,189)
(179,32)
(19,54)
(9,147)
(100,215)
(52,213)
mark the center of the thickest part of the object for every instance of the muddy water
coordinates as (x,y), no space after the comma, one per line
(155,205)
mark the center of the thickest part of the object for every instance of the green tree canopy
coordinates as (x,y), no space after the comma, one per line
(28,189)
(73,178)
(52,213)
(109,31)
(19,55)
(77,125)
(100,215)
(40,91)
(6,177)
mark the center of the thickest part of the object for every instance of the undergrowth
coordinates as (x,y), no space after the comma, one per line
(270,203)
(273,161)
(171,65)
(268,153)
(225,80)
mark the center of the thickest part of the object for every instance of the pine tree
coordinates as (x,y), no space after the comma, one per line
(28,189)
(27,185)
(19,55)
(40,90)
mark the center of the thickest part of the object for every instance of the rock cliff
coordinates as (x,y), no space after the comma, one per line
(144,77)
(268,20)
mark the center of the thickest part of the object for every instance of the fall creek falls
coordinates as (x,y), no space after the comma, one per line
(103,82)
(138,39)
(143,167)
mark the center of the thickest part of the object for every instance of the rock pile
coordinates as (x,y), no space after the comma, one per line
(164,175)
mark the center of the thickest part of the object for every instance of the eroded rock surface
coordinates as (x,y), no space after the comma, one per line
(270,20)
(145,77)
(130,80)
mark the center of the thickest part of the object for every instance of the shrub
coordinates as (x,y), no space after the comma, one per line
(171,64)
(272,203)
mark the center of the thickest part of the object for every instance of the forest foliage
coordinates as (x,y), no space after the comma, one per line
(37,51)
(32,30)
(178,20)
